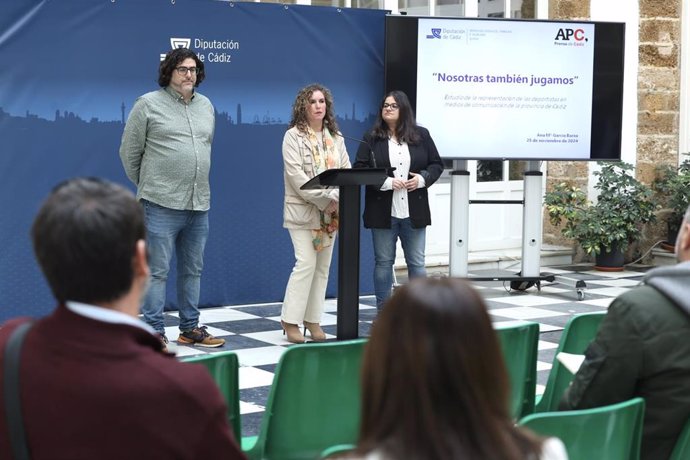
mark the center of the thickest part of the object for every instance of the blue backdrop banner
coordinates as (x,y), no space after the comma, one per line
(73,68)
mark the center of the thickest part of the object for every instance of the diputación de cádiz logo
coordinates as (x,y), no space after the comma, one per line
(206,49)
(178,43)
(435,33)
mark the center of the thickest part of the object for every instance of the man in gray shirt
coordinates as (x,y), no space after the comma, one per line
(166,152)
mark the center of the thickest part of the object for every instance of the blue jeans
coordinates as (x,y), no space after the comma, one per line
(413,241)
(184,232)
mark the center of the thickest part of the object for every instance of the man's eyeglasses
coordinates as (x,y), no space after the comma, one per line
(392,106)
(182,70)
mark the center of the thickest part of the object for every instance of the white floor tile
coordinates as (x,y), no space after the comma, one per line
(329,319)
(274,337)
(544,345)
(607,291)
(623,282)
(330,305)
(250,408)
(260,356)
(252,377)
(542,366)
(527,300)
(555,290)
(613,275)
(187,351)
(604,303)
(525,313)
(218,315)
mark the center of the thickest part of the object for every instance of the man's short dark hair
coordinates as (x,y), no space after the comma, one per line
(172,60)
(85,236)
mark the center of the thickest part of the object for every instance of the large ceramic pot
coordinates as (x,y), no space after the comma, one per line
(610,261)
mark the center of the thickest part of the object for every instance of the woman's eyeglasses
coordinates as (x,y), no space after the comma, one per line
(392,106)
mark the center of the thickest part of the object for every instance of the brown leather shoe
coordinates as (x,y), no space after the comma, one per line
(200,337)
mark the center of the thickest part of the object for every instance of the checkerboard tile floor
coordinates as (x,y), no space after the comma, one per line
(254,332)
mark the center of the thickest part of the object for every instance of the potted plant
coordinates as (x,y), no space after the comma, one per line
(606,227)
(672,185)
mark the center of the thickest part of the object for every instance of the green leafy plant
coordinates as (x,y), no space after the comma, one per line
(624,204)
(672,185)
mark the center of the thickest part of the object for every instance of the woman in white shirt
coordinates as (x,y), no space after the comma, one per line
(399,208)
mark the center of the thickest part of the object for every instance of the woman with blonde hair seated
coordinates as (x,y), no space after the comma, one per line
(434,383)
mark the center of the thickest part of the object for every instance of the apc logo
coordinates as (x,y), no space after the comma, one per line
(567,34)
(435,33)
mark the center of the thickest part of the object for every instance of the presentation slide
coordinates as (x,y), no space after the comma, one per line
(506,89)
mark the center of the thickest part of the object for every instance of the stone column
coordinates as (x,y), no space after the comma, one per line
(576,172)
(658,95)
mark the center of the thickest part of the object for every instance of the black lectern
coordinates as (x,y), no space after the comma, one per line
(349,181)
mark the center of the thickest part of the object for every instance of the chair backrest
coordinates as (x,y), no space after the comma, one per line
(578,333)
(314,402)
(519,345)
(224,368)
(682,449)
(610,432)
(338,451)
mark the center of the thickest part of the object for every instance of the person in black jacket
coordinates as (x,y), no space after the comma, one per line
(399,208)
(642,349)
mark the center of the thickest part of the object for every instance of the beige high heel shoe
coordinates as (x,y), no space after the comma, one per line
(317,334)
(293,333)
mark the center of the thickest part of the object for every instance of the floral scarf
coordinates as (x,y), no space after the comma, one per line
(325,158)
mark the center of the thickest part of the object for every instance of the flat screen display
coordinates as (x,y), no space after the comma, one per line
(511,89)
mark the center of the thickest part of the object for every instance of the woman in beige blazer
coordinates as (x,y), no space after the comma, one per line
(311,145)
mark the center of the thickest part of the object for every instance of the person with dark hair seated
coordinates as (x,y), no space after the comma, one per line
(434,384)
(94,382)
(642,350)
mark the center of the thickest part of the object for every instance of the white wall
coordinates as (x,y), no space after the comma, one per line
(684,139)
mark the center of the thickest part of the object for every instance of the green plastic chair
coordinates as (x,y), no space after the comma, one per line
(224,368)
(578,333)
(337,451)
(519,345)
(314,402)
(610,432)
(682,449)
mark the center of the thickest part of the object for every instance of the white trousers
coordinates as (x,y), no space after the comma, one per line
(306,289)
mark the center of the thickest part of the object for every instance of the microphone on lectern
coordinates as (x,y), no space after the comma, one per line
(372,160)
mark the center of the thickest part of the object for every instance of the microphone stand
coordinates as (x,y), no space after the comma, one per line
(372,159)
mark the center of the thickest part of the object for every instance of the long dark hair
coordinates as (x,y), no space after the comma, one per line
(299,108)
(434,383)
(406,128)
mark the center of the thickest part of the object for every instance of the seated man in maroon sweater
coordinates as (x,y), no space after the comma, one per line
(94,382)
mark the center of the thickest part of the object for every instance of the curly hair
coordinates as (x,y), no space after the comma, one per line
(172,60)
(299,108)
(406,128)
